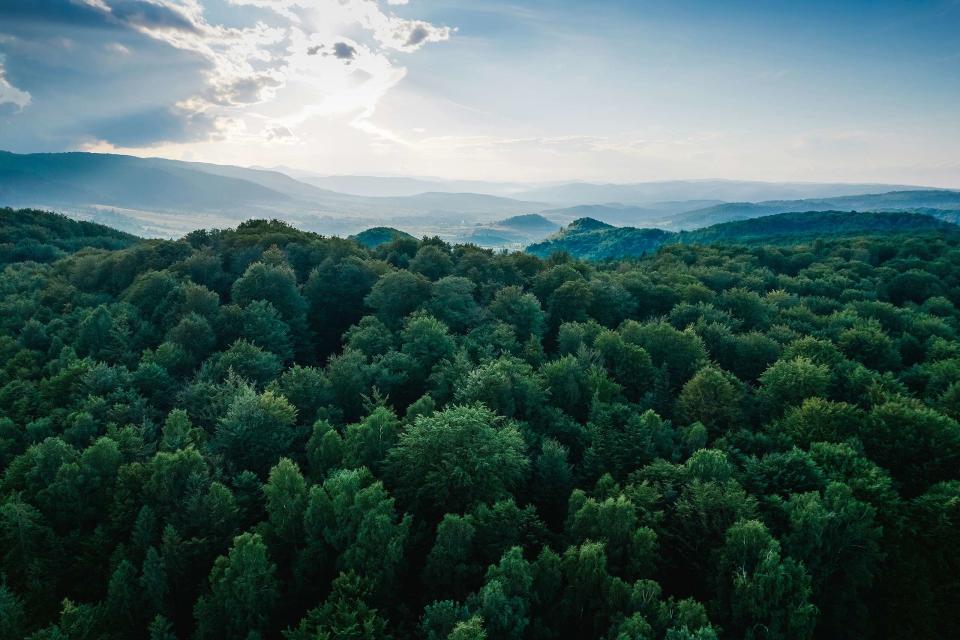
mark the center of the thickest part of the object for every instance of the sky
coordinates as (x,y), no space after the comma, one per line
(535,91)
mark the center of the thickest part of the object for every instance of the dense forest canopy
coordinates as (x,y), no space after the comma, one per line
(266,433)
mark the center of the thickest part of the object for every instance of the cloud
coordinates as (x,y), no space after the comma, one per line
(278,133)
(123,62)
(344,51)
(23,13)
(405,35)
(116,47)
(9,94)
(386,28)
(243,90)
(147,127)
(340,50)
(157,14)
(418,34)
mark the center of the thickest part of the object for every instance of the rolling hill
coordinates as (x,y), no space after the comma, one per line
(795,227)
(124,181)
(510,233)
(922,201)
(171,197)
(595,240)
(589,238)
(531,223)
(376,236)
(41,236)
(157,197)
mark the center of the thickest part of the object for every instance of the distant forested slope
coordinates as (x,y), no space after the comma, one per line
(593,240)
(266,433)
(376,236)
(27,234)
(792,228)
(935,201)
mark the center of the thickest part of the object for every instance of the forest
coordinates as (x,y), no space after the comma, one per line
(590,239)
(264,433)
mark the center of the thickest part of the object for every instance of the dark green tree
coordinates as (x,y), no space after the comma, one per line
(456,458)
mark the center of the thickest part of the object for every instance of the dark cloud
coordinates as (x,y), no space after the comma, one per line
(341,50)
(244,90)
(65,56)
(18,14)
(122,74)
(418,35)
(154,126)
(32,14)
(344,51)
(152,16)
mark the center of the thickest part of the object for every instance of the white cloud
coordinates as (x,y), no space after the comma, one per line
(387,29)
(287,76)
(9,94)
(117,48)
(301,65)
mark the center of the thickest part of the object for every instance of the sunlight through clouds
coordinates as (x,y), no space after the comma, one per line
(275,71)
(9,94)
(545,89)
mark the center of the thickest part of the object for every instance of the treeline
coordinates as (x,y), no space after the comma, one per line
(28,234)
(264,433)
(590,239)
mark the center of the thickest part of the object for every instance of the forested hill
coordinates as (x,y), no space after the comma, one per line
(793,228)
(376,236)
(939,202)
(265,433)
(594,240)
(27,234)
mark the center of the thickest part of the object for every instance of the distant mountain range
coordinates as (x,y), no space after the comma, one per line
(45,237)
(396,186)
(594,240)
(654,214)
(131,187)
(929,201)
(167,198)
(645,193)
(571,194)
(512,233)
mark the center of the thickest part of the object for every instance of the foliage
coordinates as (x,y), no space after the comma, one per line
(265,433)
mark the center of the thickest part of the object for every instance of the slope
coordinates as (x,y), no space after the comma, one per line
(594,240)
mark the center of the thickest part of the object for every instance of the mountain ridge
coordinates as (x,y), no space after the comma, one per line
(592,239)
(890,200)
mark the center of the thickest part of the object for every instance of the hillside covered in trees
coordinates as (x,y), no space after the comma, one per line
(591,239)
(266,433)
(39,236)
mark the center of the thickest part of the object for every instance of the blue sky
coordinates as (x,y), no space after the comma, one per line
(543,90)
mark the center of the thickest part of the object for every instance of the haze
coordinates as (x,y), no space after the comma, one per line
(618,91)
